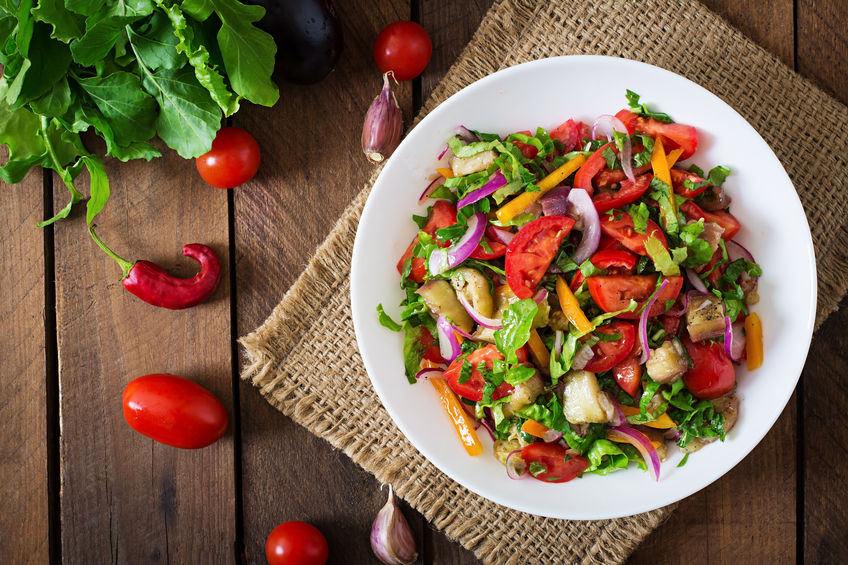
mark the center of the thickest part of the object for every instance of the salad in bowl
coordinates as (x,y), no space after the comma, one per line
(577,295)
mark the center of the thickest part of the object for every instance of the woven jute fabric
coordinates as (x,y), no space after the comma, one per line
(312,325)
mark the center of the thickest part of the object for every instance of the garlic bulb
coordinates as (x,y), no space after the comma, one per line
(383,124)
(391,538)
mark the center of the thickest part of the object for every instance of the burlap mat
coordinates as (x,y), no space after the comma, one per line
(312,325)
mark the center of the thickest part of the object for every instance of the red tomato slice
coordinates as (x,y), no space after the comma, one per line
(715,273)
(725,219)
(620,226)
(531,251)
(431,351)
(441,216)
(608,242)
(675,136)
(472,389)
(614,259)
(529,151)
(567,134)
(671,324)
(559,467)
(608,354)
(584,131)
(612,177)
(613,292)
(680,175)
(498,248)
(628,375)
(593,165)
(713,374)
(629,192)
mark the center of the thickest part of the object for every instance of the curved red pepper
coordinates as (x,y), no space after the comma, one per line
(154,285)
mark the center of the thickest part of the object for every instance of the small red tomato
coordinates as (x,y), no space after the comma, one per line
(296,543)
(174,411)
(233,159)
(403,48)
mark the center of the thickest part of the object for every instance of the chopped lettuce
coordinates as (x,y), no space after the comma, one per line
(516,328)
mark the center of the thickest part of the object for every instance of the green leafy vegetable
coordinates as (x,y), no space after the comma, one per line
(516,328)
(642,110)
(640,217)
(662,259)
(386,320)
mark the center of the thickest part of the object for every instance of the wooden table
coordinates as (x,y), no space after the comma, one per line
(76,484)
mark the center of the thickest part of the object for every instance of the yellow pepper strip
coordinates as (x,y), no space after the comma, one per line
(754,341)
(540,353)
(427,364)
(659,162)
(459,337)
(520,203)
(663,422)
(619,439)
(534,428)
(460,420)
(570,307)
(673,157)
(447,173)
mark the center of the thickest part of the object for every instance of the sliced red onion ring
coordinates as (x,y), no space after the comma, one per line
(620,420)
(696,281)
(558,342)
(502,235)
(607,124)
(466,134)
(736,251)
(582,357)
(591,224)
(541,296)
(428,374)
(443,259)
(641,442)
(551,435)
(448,344)
(496,182)
(488,427)
(516,467)
(734,339)
(555,202)
(684,305)
(434,184)
(462,333)
(672,434)
(490,323)
(643,324)
(442,154)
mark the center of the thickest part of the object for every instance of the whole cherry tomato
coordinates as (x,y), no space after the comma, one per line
(296,543)
(174,411)
(233,159)
(403,48)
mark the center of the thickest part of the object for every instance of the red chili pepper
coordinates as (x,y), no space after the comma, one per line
(154,285)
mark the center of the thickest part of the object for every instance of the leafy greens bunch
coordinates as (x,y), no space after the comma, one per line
(129,69)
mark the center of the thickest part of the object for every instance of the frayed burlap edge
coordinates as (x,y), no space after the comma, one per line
(268,349)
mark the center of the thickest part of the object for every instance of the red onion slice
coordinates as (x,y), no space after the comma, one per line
(466,134)
(641,442)
(516,467)
(448,344)
(434,184)
(442,154)
(672,434)
(555,202)
(490,323)
(503,235)
(497,181)
(696,281)
(736,251)
(643,324)
(582,357)
(620,420)
(551,435)
(684,305)
(591,224)
(734,340)
(541,296)
(488,427)
(607,124)
(428,374)
(443,259)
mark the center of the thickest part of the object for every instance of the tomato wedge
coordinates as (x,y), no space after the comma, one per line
(712,374)
(531,251)
(620,226)
(472,389)
(529,151)
(629,192)
(628,375)
(615,261)
(680,175)
(593,165)
(613,292)
(725,219)
(553,464)
(675,136)
(612,177)
(441,216)
(608,354)
(431,346)
(494,242)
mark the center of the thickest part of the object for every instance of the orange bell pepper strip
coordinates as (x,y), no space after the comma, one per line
(662,423)
(754,341)
(612,436)
(571,308)
(540,353)
(659,162)
(458,417)
(520,203)
(534,428)
(673,157)
(447,173)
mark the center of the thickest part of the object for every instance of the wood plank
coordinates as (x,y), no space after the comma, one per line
(124,497)
(280,217)
(451,25)
(23,395)
(823,57)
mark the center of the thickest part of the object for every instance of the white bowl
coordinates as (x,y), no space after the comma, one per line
(546,93)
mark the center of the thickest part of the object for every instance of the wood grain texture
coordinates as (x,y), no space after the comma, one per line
(312,167)
(125,498)
(23,399)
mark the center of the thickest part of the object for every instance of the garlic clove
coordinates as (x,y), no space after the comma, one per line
(391,537)
(383,124)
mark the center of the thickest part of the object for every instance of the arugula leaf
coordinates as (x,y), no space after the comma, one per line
(129,111)
(413,352)
(537,468)
(517,320)
(643,158)
(663,194)
(386,320)
(640,217)
(56,101)
(699,250)
(718,175)
(611,158)
(66,25)
(465,371)
(98,188)
(642,110)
